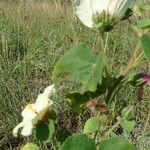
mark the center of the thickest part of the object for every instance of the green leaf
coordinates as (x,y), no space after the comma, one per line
(145,42)
(116,144)
(91,125)
(128,113)
(30,146)
(79,142)
(143,7)
(144,24)
(128,125)
(127,119)
(44,131)
(81,66)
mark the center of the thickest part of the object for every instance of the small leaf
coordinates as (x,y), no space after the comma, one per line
(128,125)
(44,132)
(145,42)
(79,142)
(116,144)
(91,125)
(144,24)
(128,112)
(143,7)
(30,146)
(81,66)
(127,119)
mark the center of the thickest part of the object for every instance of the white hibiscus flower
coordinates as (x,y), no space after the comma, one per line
(89,10)
(34,113)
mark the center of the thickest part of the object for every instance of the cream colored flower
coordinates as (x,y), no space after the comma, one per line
(33,113)
(87,10)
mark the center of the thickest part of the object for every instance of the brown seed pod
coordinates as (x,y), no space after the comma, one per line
(98,105)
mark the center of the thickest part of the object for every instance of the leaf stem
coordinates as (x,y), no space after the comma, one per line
(104,41)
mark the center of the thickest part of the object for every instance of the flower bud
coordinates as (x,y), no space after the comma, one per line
(145,77)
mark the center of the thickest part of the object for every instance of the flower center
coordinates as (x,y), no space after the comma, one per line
(30,107)
(42,117)
(103,21)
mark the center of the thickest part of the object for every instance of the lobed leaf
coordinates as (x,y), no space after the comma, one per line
(80,65)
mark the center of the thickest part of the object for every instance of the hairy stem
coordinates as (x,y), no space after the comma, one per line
(106,42)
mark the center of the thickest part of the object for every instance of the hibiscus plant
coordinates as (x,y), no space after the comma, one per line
(97,88)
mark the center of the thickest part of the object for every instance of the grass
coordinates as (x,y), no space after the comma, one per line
(32,38)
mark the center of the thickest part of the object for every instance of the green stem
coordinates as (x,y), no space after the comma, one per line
(53,144)
(113,128)
(106,42)
(102,42)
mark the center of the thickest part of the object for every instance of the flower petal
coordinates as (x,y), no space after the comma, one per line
(42,103)
(84,12)
(29,112)
(27,129)
(117,8)
(98,6)
(37,110)
(15,130)
(43,100)
(49,91)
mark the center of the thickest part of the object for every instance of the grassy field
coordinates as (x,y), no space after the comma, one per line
(33,36)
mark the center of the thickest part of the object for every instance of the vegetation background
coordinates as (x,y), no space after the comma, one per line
(33,36)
